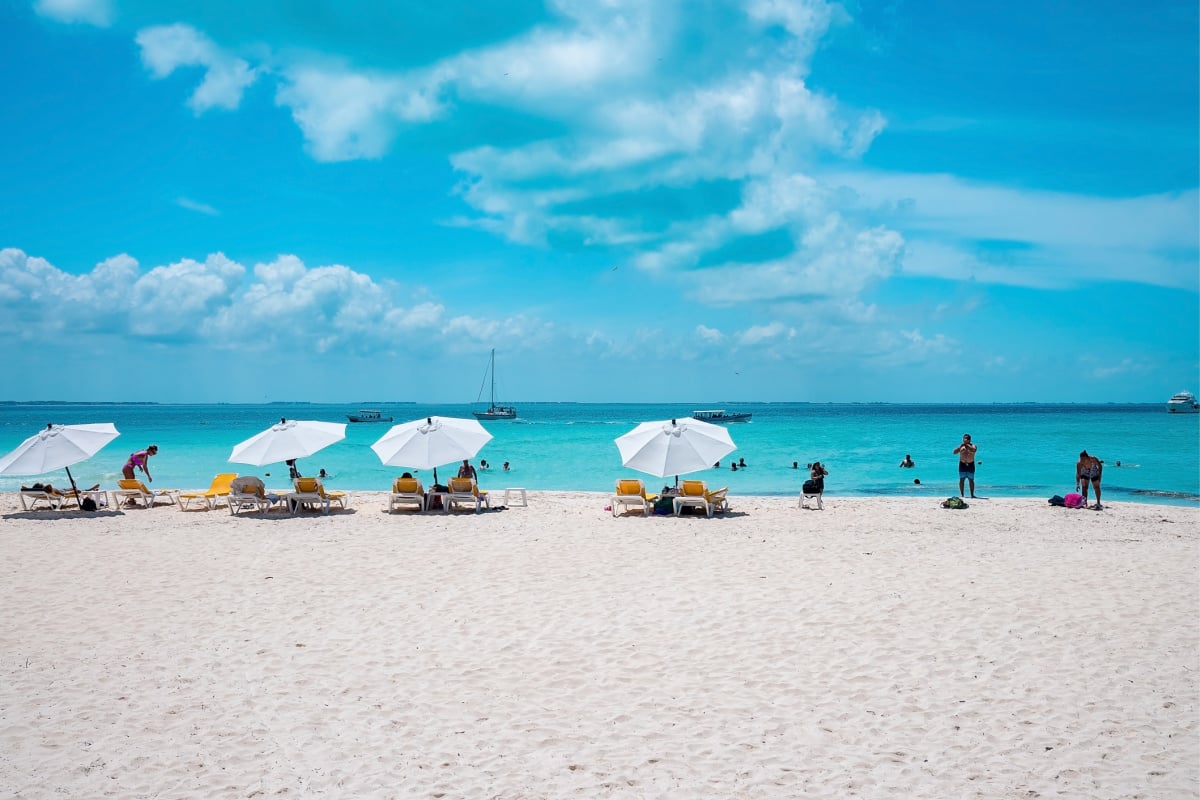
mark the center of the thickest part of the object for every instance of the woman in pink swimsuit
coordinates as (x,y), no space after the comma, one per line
(141,460)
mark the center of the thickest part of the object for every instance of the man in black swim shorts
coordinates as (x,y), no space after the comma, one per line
(966,464)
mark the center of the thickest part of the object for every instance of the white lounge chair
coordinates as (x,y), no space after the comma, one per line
(631,493)
(134,492)
(56,500)
(407,491)
(31,498)
(812,490)
(464,491)
(218,489)
(696,495)
(310,492)
(249,494)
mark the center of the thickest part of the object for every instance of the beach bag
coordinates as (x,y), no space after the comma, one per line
(1073,500)
(1057,500)
(953,502)
(88,504)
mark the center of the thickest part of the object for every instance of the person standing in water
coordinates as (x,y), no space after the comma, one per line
(966,464)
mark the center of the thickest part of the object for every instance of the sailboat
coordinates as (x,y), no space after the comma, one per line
(494,411)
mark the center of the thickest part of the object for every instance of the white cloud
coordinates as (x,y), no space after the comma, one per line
(346,115)
(216,303)
(758,334)
(960,230)
(93,12)
(168,47)
(804,20)
(192,205)
(834,260)
(628,125)
(1125,366)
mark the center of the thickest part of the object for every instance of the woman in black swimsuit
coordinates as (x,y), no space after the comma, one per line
(1088,470)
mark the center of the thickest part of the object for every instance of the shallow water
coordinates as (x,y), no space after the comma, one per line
(1024,450)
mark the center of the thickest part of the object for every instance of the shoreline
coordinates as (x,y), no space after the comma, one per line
(880,647)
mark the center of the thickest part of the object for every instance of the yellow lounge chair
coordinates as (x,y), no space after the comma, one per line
(134,491)
(465,491)
(310,491)
(631,492)
(407,491)
(249,494)
(218,489)
(697,495)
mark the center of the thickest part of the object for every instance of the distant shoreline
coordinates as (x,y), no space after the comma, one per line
(728,404)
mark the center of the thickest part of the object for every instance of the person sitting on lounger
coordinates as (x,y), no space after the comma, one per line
(816,477)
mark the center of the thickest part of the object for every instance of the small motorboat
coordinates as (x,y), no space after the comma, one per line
(1183,403)
(721,415)
(368,415)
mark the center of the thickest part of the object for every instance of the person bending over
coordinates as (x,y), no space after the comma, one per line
(139,460)
(1088,470)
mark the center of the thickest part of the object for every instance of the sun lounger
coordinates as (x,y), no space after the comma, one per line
(32,498)
(695,494)
(134,492)
(311,493)
(218,489)
(631,493)
(407,491)
(812,490)
(464,491)
(249,494)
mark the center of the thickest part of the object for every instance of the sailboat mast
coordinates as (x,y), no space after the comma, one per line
(493,377)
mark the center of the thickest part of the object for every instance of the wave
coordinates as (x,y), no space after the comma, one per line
(1156,493)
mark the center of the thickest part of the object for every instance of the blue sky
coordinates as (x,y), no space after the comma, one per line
(671,201)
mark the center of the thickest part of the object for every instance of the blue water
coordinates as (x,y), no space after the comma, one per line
(1025,450)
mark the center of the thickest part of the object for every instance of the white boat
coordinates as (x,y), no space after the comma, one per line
(721,415)
(368,415)
(1183,403)
(494,411)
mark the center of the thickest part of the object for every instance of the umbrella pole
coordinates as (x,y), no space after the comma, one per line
(74,488)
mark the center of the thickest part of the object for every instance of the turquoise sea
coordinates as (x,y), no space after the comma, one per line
(1025,450)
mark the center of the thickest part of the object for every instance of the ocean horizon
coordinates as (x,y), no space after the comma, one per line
(1027,449)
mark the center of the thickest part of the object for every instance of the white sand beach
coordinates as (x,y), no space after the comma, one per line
(880,648)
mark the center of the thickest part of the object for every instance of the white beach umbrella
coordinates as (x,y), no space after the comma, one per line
(286,440)
(58,447)
(430,442)
(674,447)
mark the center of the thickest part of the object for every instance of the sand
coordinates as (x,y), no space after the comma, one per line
(880,648)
